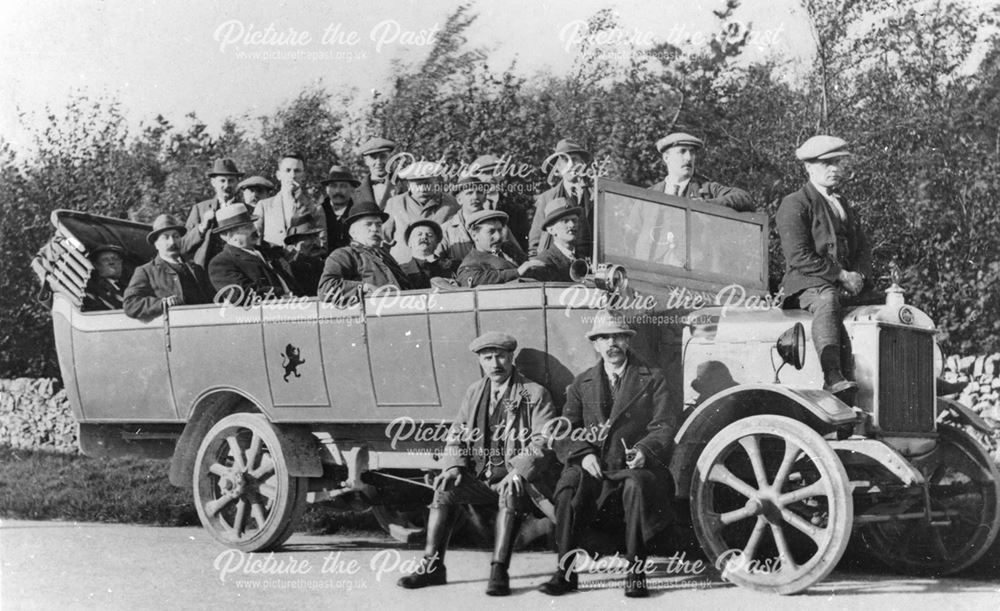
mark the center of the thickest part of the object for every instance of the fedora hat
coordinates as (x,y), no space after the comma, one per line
(423,223)
(256,182)
(340,173)
(559,208)
(164,222)
(606,323)
(106,248)
(230,217)
(365,208)
(224,166)
(565,147)
(301,227)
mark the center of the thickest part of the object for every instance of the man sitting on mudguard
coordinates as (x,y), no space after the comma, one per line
(496,455)
(827,257)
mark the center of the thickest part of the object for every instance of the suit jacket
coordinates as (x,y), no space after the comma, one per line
(306,271)
(556,265)
(235,267)
(351,266)
(457,241)
(273,219)
(529,408)
(807,227)
(103,294)
(420,271)
(480,267)
(336,230)
(640,416)
(539,240)
(365,193)
(700,187)
(403,210)
(155,281)
(201,247)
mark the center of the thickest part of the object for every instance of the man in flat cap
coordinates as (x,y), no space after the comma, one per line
(200,243)
(241,273)
(571,163)
(106,285)
(492,261)
(827,256)
(496,456)
(255,189)
(423,238)
(339,184)
(302,253)
(680,154)
(471,193)
(168,279)
(363,265)
(274,215)
(378,185)
(425,199)
(562,223)
(621,403)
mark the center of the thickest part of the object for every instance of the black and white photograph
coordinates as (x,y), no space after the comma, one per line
(567,304)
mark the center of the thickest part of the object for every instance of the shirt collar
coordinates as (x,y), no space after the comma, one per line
(681,186)
(569,253)
(619,371)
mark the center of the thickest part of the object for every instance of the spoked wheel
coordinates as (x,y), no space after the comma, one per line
(243,492)
(964,489)
(771,504)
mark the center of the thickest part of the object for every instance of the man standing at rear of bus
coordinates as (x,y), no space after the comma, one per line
(827,256)
(496,455)
(680,152)
(200,243)
(168,279)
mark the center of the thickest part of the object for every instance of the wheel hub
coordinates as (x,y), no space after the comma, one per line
(232,484)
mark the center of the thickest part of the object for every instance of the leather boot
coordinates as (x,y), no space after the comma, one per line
(559,584)
(432,571)
(635,580)
(507,523)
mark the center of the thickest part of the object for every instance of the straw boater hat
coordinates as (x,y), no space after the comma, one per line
(340,173)
(606,323)
(164,222)
(224,167)
(231,217)
(678,139)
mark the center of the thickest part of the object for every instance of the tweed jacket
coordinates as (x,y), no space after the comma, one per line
(806,225)
(700,187)
(539,240)
(201,247)
(349,267)
(403,210)
(480,267)
(235,267)
(529,409)
(155,281)
(273,217)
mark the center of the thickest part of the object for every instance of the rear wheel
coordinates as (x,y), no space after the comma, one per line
(243,492)
(964,489)
(771,504)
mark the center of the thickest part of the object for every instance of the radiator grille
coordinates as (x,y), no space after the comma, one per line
(906,381)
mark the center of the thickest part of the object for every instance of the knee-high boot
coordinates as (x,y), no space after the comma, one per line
(507,524)
(431,571)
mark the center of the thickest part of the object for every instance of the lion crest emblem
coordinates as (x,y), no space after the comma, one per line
(291,360)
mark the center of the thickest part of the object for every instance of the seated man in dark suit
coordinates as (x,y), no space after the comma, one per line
(240,272)
(302,252)
(104,290)
(363,265)
(168,279)
(423,237)
(562,223)
(492,262)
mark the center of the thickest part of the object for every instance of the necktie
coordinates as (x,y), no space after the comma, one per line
(615,379)
(838,209)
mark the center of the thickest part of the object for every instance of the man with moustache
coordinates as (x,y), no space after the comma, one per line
(622,403)
(423,238)
(168,279)
(363,265)
(302,253)
(104,289)
(562,222)
(425,199)
(492,261)
(274,215)
(240,272)
(496,455)
(679,152)
(254,189)
(572,164)
(377,186)
(200,242)
(471,193)
(828,259)
(339,185)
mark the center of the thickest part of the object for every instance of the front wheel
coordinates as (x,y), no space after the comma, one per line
(243,492)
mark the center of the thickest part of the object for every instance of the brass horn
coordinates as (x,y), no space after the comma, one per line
(608,277)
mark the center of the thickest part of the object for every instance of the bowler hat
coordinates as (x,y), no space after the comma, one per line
(376,145)
(340,173)
(365,208)
(559,208)
(678,139)
(231,217)
(821,147)
(106,248)
(164,222)
(565,147)
(255,182)
(421,170)
(224,167)
(301,227)
(493,339)
(475,218)
(606,323)
(425,223)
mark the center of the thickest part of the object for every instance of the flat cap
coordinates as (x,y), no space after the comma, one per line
(821,147)
(255,182)
(485,215)
(421,170)
(678,139)
(493,339)
(376,145)
(484,164)
(474,182)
